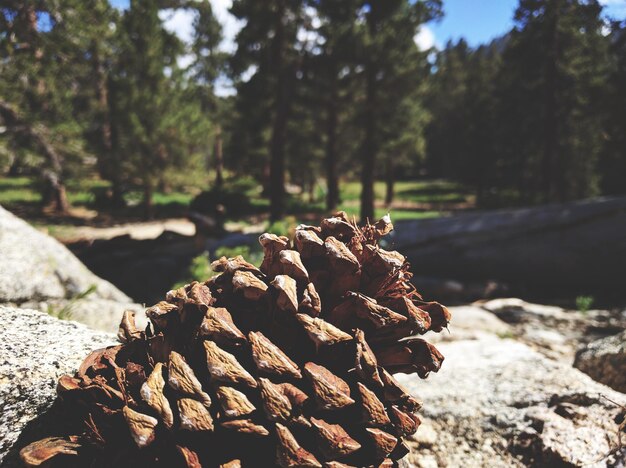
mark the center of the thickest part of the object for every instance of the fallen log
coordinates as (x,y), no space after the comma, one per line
(568,249)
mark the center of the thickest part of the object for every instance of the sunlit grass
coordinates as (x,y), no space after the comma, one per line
(396,215)
(431,191)
(413,199)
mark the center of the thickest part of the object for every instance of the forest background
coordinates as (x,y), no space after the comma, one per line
(329,105)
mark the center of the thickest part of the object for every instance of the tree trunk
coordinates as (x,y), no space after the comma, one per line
(219,157)
(550,142)
(557,249)
(332,195)
(61,203)
(148,207)
(311,187)
(54,195)
(389,181)
(110,167)
(54,190)
(279,126)
(369,150)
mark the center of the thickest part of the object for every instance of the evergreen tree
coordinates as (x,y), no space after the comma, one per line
(146,96)
(554,73)
(462,100)
(613,159)
(334,71)
(208,65)
(267,45)
(447,91)
(93,33)
(386,48)
(37,93)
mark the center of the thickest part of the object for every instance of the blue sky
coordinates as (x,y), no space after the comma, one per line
(481,20)
(478,21)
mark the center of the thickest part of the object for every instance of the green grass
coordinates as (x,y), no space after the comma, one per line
(15,191)
(18,190)
(430,191)
(396,215)
(417,199)
(584,303)
(200,266)
(172,198)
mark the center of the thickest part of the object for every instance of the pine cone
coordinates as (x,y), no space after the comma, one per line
(290,364)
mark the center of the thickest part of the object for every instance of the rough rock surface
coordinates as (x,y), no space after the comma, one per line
(470,323)
(101,314)
(553,331)
(35,350)
(547,248)
(39,272)
(37,267)
(605,361)
(497,402)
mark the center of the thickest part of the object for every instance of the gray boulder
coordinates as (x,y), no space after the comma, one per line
(39,272)
(575,246)
(101,314)
(555,332)
(37,267)
(35,350)
(498,403)
(605,361)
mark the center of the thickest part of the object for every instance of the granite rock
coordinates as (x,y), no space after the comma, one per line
(35,350)
(604,360)
(37,267)
(497,402)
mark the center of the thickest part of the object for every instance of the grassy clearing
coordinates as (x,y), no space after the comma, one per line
(396,215)
(16,192)
(413,200)
(430,191)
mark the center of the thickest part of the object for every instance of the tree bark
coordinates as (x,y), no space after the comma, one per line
(219,157)
(279,125)
(550,142)
(332,180)
(54,187)
(111,166)
(369,150)
(148,206)
(54,193)
(53,183)
(389,181)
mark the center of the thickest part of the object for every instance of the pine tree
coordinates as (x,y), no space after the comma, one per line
(334,70)
(554,67)
(462,100)
(267,45)
(92,30)
(613,159)
(144,98)
(387,46)
(447,88)
(207,67)
(37,92)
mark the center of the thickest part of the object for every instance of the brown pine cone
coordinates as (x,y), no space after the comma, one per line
(289,365)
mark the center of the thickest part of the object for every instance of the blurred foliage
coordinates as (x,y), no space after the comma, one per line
(584,303)
(66,311)
(200,266)
(110,110)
